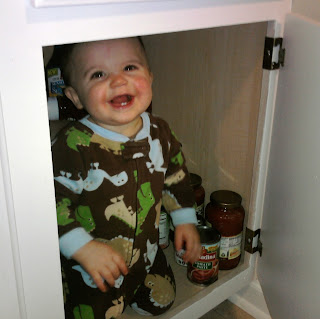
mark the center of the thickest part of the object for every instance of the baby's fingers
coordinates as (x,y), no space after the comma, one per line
(119,262)
(99,281)
(193,251)
(109,275)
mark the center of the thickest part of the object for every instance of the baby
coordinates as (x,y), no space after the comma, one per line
(113,170)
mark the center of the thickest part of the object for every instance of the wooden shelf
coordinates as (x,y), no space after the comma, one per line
(189,295)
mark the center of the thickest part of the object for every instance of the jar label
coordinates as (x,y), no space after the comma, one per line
(163,230)
(230,247)
(205,269)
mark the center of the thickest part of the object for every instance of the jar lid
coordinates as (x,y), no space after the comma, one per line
(226,198)
(195,180)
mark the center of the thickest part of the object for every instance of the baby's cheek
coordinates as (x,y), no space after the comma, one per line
(97,93)
(143,84)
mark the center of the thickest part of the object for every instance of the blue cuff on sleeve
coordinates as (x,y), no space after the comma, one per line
(184,216)
(72,241)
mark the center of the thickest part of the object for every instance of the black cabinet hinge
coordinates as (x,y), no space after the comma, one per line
(252,241)
(274,54)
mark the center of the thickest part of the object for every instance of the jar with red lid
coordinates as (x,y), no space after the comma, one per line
(226,214)
(199,194)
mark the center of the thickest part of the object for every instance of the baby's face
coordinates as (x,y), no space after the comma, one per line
(112,81)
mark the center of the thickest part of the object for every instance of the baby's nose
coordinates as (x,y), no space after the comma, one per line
(117,80)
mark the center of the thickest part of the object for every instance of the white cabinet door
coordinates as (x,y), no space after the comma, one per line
(289,267)
(9,266)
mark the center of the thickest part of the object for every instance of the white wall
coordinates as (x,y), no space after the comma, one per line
(251,300)
(308,8)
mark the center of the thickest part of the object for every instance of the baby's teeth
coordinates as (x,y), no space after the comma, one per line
(124,103)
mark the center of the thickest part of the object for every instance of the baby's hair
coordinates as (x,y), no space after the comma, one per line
(62,54)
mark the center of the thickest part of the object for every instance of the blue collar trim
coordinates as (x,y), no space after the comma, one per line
(117,137)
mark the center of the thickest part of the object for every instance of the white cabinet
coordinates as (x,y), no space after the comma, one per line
(27,194)
(290,219)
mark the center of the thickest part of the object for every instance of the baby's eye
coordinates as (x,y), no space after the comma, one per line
(97,75)
(130,67)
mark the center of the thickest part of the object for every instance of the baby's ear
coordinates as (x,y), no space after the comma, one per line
(72,95)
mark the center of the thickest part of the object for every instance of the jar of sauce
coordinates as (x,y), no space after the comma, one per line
(199,194)
(226,214)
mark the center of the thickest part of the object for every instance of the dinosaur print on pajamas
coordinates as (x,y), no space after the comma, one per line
(175,178)
(116,310)
(118,209)
(108,145)
(63,212)
(83,312)
(146,200)
(150,255)
(76,137)
(156,156)
(93,181)
(177,159)
(96,176)
(85,276)
(169,200)
(162,290)
(110,189)
(84,217)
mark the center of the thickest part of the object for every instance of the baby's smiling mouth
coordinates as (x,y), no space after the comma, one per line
(121,100)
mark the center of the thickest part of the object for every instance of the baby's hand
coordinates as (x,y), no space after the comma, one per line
(187,237)
(101,262)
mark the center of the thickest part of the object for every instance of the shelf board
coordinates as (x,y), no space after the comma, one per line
(193,299)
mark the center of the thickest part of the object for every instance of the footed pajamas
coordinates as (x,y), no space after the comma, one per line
(110,188)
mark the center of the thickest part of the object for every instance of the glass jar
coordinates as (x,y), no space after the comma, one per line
(226,214)
(199,194)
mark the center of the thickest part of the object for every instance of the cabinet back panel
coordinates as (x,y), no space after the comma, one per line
(207,85)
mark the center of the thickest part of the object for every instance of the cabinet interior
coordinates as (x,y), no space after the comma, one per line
(207,85)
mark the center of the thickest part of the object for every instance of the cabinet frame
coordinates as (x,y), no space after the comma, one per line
(25,148)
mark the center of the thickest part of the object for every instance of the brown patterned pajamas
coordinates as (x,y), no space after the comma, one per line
(148,294)
(110,188)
